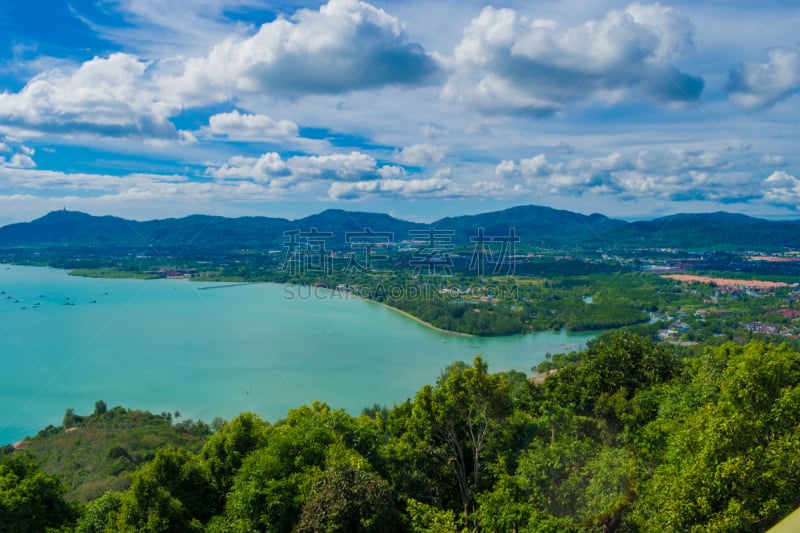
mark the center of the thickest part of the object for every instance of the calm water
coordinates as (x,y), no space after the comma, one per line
(172,345)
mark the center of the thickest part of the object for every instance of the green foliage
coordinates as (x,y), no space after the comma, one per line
(100,408)
(227,448)
(621,364)
(458,420)
(174,492)
(733,464)
(347,499)
(30,500)
(100,515)
(425,518)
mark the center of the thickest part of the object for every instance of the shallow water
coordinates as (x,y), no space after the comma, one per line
(175,345)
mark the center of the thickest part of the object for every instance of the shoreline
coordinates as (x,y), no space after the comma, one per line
(417,319)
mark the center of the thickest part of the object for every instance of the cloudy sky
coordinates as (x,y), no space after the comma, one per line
(423,109)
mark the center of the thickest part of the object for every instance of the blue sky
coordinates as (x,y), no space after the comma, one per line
(150,109)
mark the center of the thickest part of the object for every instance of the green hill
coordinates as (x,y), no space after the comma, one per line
(536,226)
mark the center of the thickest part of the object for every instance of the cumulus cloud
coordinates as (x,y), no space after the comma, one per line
(142,190)
(21,161)
(508,64)
(758,85)
(674,174)
(106,96)
(354,166)
(389,187)
(350,167)
(347,175)
(235,125)
(21,158)
(422,154)
(527,168)
(782,189)
(506,169)
(429,131)
(263,168)
(346,45)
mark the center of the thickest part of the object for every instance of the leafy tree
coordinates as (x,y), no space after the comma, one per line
(227,448)
(270,488)
(622,363)
(174,492)
(30,500)
(99,407)
(424,518)
(100,515)
(458,419)
(347,499)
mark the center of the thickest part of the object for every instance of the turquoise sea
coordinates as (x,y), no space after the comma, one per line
(212,349)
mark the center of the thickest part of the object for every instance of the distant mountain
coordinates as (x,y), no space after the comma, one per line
(538,226)
(340,222)
(713,230)
(534,225)
(72,228)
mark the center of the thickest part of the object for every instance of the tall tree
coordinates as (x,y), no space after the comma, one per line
(458,418)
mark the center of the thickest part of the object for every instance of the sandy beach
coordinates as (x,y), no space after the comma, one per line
(416,319)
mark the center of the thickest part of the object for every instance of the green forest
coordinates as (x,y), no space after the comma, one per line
(627,435)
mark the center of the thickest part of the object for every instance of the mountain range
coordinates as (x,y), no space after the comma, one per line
(536,226)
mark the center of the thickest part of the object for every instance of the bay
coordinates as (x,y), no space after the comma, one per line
(212,349)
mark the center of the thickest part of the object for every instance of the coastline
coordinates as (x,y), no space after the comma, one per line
(417,319)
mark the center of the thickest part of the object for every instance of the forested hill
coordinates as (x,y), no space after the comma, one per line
(536,226)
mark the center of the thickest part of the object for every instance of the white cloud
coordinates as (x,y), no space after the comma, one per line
(347,45)
(263,168)
(757,85)
(391,171)
(673,174)
(354,166)
(782,189)
(22,158)
(142,190)
(506,169)
(21,161)
(105,96)
(429,131)
(422,154)
(235,125)
(508,64)
(350,167)
(389,187)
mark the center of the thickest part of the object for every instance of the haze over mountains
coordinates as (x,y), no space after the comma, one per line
(535,226)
